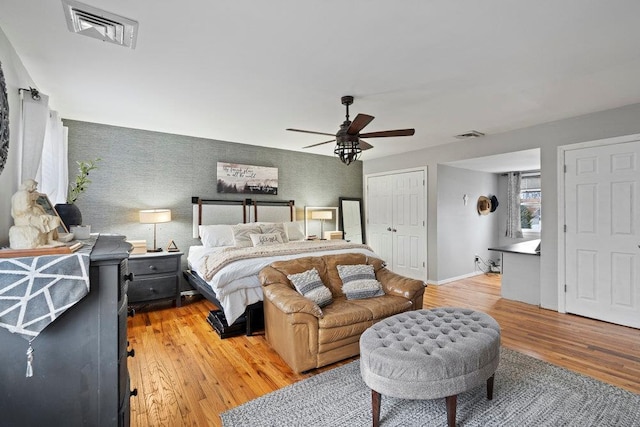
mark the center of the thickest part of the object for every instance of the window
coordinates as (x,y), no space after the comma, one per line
(530,206)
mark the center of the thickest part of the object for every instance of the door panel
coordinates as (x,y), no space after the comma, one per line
(396,221)
(602,217)
(379,202)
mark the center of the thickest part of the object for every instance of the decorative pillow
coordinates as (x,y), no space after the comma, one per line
(275,227)
(265,239)
(213,236)
(359,281)
(295,230)
(242,234)
(310,285)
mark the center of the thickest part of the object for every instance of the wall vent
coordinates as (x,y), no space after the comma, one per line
(96,23)
(470,134)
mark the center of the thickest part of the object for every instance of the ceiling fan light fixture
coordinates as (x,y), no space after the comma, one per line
(348,152)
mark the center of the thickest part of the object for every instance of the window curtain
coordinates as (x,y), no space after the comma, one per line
(514,227)
(53,174)
(33,124)
(43,142)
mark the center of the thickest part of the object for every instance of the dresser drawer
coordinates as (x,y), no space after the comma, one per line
(155,265)
(151,289)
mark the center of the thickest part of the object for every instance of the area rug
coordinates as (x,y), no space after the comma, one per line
(527,392)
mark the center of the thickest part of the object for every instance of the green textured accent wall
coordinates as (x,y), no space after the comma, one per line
(143,170)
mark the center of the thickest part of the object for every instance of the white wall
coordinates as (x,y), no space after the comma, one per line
(547,137)
(462,232)
(15,76)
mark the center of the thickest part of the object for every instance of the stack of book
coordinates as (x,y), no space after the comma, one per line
(139,246)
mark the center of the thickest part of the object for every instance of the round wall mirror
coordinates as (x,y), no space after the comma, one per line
(4,122)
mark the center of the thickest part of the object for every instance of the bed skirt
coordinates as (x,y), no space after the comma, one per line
(251,322)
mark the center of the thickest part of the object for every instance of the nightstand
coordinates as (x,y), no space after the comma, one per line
(156,276)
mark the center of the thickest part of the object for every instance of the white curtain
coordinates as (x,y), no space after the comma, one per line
(33,124)
(514,227)
(43,142)
(53,174)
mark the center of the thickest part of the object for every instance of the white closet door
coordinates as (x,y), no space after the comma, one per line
(379,216)
(396,225)
(602,208)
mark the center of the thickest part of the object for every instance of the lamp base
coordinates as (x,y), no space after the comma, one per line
(154,250)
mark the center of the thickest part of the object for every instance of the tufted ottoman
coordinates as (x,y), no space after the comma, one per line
(430,354)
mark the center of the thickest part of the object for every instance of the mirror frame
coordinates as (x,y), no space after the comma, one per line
(341,219)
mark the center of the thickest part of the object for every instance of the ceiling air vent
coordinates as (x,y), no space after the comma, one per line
(99,24)
(470,134)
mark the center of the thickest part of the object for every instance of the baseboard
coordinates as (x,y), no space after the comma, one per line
(453,279)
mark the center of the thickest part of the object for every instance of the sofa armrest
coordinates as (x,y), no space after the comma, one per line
(290,301)
(395,284)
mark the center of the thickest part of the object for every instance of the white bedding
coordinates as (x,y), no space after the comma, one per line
(236,285)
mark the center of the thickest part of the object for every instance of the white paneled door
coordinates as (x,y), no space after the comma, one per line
(602,209)
(396,221)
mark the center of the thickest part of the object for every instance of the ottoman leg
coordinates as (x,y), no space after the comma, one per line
(375,407)
(451,410)
(490,387)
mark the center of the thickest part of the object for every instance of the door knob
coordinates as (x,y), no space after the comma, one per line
(389,229)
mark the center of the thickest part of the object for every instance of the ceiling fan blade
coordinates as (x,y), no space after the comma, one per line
(311,131)
(359,123)
(364,145)
(385,133)
(319,143)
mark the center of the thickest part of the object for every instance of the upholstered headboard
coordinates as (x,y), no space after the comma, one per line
(218,211)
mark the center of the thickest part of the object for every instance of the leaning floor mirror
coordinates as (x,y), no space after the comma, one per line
(351,219)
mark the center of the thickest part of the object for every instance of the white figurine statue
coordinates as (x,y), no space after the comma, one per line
(33,228)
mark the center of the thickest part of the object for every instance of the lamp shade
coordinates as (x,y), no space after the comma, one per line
(321,215)
(155,216)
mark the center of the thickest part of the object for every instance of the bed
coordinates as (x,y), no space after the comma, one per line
(225,267)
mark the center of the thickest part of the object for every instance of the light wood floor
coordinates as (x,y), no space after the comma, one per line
(186,375)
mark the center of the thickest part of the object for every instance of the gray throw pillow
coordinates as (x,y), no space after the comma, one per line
(359,281)
(310,285)
(242,234)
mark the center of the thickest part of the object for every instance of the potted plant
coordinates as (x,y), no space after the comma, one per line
(69,212)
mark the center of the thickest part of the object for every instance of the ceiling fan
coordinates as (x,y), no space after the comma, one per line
(349,144)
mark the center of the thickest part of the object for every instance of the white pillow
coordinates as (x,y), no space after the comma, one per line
(213,236)
(266,239)
(294,230)
(274,227)
(242,234)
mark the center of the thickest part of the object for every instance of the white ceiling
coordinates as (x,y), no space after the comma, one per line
(243,71)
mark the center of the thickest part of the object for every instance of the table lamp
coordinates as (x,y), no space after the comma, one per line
(322,216)
(155,216)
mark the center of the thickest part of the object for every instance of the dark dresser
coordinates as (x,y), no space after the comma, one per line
(80,375)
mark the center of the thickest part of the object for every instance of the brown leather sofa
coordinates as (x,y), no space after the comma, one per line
(308,337)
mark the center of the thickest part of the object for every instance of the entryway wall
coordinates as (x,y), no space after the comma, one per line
(462,232)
